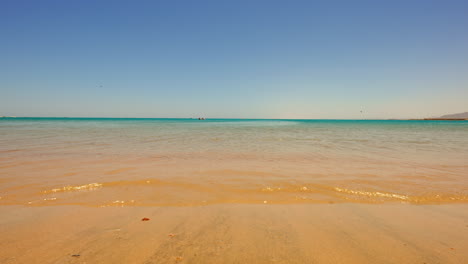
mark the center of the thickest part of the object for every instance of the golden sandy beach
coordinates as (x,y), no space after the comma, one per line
(336,233)
(260,192)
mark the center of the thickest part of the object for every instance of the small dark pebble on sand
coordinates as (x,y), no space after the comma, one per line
(145,219)
(76,255)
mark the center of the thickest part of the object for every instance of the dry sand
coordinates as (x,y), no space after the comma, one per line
(231,233)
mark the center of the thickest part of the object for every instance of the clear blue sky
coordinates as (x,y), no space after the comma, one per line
(258,59)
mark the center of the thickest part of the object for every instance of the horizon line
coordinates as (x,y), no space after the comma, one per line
(208,118)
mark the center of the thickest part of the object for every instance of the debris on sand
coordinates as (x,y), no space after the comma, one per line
(171,235)
(76,255)
(145,219)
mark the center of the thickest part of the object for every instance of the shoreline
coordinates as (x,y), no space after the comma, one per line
(129,170)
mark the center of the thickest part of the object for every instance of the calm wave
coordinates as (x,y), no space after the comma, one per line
(108,162)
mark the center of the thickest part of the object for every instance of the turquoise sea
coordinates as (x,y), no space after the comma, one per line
(147,161)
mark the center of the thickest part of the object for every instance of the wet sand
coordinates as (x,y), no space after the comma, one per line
(233,191)
(236,233)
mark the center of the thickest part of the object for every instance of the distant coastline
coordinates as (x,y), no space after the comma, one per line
(441,119)
(451,117)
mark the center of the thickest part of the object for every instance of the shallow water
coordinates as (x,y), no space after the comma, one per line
(144,162)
